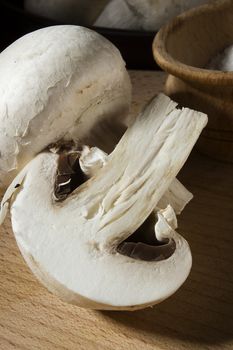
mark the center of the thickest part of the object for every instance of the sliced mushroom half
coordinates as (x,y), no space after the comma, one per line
(111,243)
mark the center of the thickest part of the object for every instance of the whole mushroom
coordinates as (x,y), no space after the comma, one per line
(56,83)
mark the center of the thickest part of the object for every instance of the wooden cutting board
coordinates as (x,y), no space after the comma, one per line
(199,316)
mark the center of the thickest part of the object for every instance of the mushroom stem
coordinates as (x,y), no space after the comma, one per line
(143,166)
(93,159)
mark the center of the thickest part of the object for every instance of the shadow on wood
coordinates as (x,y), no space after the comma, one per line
(201,311)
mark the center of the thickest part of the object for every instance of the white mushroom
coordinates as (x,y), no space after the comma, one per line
(117,14)
(71,11)
(84,248)
(56,83)
(143,15)
(177,196)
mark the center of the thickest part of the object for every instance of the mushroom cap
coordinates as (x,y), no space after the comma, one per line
(142,15)
(117,14)
(56,82)
(153,14)
(71,246)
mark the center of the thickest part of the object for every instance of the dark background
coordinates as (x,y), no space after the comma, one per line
(135,47)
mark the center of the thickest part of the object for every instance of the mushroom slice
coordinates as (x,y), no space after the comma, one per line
(72,245)
(92,159)
(117,14)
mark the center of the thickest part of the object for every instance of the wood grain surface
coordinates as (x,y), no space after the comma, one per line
(199,316)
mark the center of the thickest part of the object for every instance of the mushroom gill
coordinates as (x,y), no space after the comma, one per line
(69,175)
(143,244)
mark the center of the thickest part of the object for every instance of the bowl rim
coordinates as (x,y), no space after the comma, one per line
(182,70)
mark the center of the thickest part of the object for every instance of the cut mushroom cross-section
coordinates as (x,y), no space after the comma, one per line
(73,246)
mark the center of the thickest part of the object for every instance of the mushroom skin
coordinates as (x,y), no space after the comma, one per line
(71,245)
(56,83)
(118,15)
(153,14)
(148,15)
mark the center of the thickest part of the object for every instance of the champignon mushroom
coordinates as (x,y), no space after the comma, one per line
(56,83)
(108,243)
(143,15)
(82,12)
(117,14)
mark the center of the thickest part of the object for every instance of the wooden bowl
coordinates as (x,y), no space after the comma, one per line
(182,48)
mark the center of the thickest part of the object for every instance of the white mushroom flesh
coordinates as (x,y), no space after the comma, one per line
(72,245)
